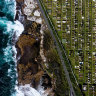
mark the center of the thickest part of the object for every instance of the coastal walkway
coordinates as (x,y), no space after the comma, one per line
(58,44)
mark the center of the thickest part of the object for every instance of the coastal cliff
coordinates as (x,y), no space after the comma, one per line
(30,48)
(38,60)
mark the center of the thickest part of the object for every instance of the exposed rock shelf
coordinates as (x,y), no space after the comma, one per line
(28,66)
(30,47)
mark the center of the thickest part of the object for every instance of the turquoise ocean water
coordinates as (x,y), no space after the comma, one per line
(8,27)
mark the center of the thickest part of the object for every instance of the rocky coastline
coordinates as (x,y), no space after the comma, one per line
(29,48)
(38,62)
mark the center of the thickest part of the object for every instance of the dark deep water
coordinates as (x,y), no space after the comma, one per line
(8,27)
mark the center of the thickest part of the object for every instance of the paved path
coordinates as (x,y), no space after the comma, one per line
(72,92)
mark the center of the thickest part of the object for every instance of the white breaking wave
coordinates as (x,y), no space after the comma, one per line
(7,54)
(17,28)
(12,28)
(42,91)
(26,90)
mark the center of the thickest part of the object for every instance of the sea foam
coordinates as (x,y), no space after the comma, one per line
(26,90)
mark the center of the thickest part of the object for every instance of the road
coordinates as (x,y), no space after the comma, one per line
(47,19)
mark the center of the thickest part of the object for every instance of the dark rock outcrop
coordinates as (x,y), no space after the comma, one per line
(29,70)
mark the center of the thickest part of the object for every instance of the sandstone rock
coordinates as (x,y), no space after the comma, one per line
(20,0)
(38,76)
(25,40)
(29,70)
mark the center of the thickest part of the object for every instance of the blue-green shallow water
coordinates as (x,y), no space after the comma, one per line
(7,61)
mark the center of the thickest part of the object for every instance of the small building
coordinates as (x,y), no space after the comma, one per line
(84,87)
